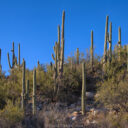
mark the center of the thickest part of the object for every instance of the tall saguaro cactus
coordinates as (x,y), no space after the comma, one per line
(14,58)
(91,52)
(18,54)
(62,47)
(77,56)
(59,51)
(105,45)
(23,85)
(0,61)
(83,95)
(34,93)
(110,42)
(27,90)
(119,43)
(127,58)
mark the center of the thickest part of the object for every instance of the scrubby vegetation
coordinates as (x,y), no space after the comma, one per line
(52,96)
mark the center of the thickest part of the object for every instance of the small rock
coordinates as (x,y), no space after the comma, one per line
(87,121)
(73,118)
(89,95)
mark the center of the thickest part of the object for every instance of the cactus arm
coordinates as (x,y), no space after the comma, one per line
(9,61)
(53,57)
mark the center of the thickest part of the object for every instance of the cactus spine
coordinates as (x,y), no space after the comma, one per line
(77,56)
(34,93)
(0,61)
(83,96)
(119,43)
(91,51)
(23,84)
(105,45)
(110,42)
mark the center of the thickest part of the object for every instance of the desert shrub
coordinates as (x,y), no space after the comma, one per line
(11,114)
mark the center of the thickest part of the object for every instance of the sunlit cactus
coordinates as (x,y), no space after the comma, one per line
(119,43)
(34,93)
(105,45)
(110,43)
(23,85)
(19,55)
(14,58)
(77,56)
(83,95)
(0,61)
(91,52)
(58,55)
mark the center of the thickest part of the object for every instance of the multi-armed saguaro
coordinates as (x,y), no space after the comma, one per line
(59,51)
(105,45)
(14,58)
(83,95)
(91,52)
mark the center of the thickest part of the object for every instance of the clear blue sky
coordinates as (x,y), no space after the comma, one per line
(33,23)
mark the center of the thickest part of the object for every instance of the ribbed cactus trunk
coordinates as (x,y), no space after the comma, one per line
(62,47)
(13,55)
(23,84)
(34,93)
(119,43)
(110,43)
(56,64)
(91,52)
(127,58)
(0,61)
(19,55)
(83,95)
(27,90)
(105,46)
(77,56)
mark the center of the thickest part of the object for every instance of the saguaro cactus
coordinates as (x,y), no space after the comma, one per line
(34,93)
(83,95)
(127,58)
(91,51)
(23,85)
(27,90)
(62,47)
(59,51)
(77,56)
(14,58)
(110,43)
(19,55)
(105,45)
(119,43)
(0,61)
